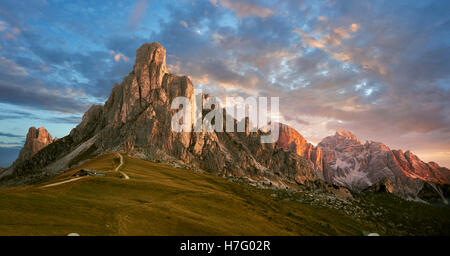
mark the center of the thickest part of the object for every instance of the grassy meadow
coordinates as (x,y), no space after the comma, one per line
(162,200)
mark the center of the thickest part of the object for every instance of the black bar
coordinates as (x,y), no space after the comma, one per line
(252,245)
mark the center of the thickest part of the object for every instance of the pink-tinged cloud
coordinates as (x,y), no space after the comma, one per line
(119,56)
(11,68)
(245,9)
(354,27)
(213,2)
(137,14)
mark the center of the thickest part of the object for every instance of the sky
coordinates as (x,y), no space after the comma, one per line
(379,69)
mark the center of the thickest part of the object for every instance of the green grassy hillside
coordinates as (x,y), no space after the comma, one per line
(161,200)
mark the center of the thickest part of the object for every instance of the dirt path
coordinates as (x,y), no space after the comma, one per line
(78,178)
(61,182)
(120,165)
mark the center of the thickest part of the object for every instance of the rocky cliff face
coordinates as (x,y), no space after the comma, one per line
(36,140)
(349,162)
(344,160)
(291,140)
(136,120)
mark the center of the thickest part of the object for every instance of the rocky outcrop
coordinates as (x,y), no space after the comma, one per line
(36,140)
(30,160)
(343,160)
(350,163)
(291,140)
(136,120)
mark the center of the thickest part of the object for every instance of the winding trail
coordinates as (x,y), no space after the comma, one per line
(120,165)
(78,178)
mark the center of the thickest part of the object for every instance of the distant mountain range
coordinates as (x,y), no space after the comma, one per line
(136,120)
(342,159)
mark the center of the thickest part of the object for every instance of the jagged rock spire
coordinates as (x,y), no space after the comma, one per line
(150,66)
(36,140)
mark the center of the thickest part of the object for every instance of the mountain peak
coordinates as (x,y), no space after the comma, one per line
(345,133)
(148,54)
(346,136)
(150,66)
(36,140)
(289,137)
(146,51)
(291,140)
(340,138)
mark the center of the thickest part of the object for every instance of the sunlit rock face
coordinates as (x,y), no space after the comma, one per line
(136,120)
(348,162)
(342,159)
(36,140)
(291,140)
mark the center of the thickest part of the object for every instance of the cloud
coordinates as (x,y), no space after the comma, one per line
(354,27)
(341,56)
(43,118)
(11,31)
(13,114)
(334,64)
(137,14)
(10,36)
(341,32)
(10,135)
(41,98)
(184,23)
(312,42)
(119,56)
(327,39)
(91,72)
(71,119)
(245,9)
(2,26)
(11,68)
(213,2)
(11,144)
